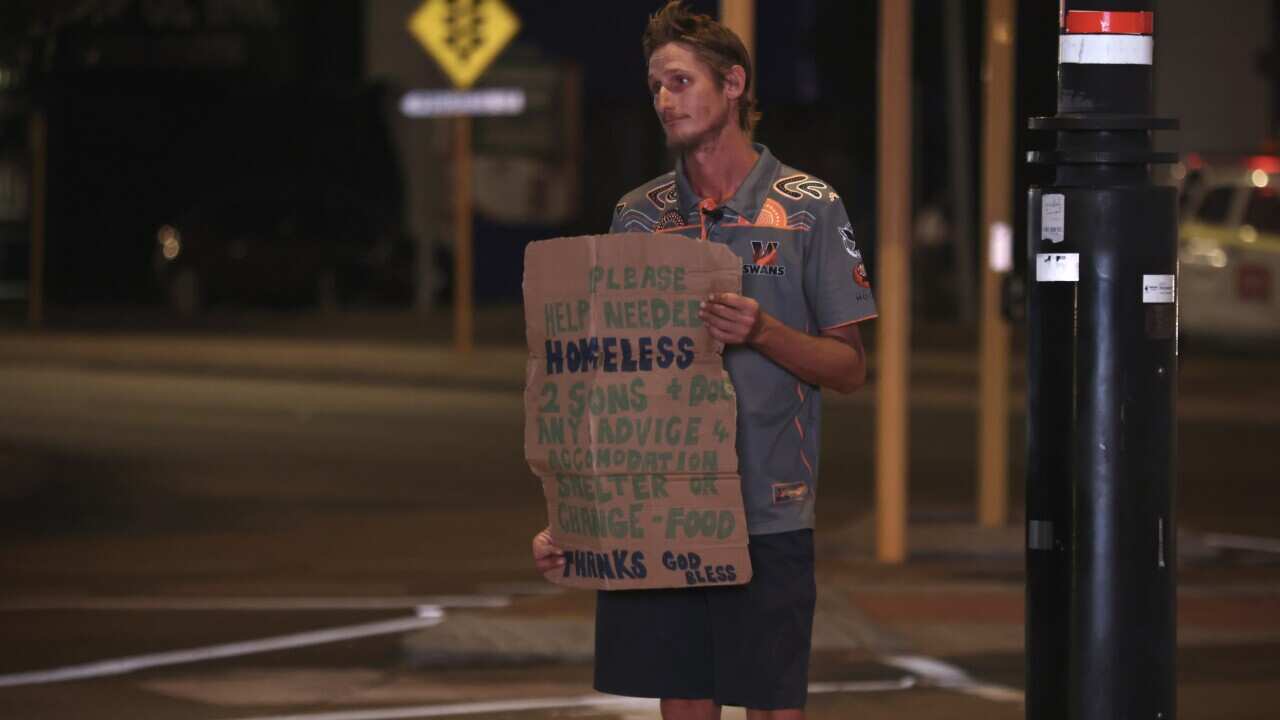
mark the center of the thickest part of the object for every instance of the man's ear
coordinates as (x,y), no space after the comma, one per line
(735,82)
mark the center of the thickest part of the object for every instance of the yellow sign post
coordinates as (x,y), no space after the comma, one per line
(894,327)
(997,186)
(464,37)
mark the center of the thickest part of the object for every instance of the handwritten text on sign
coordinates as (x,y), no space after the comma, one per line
(630,417)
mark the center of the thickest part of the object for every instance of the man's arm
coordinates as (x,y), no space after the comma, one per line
(835,359)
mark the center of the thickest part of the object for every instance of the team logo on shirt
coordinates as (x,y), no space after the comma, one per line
(764,259)
(764,253)
(851,247)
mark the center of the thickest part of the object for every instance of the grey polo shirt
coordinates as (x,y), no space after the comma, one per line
(801,263)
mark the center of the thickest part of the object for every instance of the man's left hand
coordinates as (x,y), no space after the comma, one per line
(731,318)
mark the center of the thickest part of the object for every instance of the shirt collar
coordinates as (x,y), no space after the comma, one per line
(747,199)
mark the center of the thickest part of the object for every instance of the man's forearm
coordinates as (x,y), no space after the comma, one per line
(820,360)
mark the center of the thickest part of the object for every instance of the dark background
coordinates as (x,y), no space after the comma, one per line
(151,116)
(262,123)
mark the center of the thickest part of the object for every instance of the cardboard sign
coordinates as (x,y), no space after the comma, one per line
(630,418)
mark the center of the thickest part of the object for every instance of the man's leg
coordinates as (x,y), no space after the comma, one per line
(690,710)
(762,631)
(654,644)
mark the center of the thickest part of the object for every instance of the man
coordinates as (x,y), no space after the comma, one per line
(792,330)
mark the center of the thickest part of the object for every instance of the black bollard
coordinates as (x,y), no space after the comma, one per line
(1102,366)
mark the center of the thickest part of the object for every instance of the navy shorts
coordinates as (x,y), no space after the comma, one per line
(744,645)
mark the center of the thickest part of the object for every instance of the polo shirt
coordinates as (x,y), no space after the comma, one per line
(800,261)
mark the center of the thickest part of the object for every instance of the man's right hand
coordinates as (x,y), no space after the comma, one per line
(546,556)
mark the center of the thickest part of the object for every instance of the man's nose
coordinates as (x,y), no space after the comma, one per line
(662,100)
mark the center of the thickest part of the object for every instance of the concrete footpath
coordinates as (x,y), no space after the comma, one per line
(403,349)
(961,593)
(298,359)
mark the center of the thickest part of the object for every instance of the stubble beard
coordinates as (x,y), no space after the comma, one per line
(707,136)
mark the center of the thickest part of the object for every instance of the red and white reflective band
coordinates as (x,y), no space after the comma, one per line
(1105,21)
(1097,37)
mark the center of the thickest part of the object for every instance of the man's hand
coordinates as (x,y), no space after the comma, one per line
(834,359)
(731,318)
(546,556)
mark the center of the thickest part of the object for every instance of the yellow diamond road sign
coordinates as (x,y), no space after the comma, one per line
(464,36)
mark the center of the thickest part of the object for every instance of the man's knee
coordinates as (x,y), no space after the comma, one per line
(705,709)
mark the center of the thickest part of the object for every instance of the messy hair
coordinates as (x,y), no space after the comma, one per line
(716,45)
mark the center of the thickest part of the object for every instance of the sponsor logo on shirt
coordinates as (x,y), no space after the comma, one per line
(789,492)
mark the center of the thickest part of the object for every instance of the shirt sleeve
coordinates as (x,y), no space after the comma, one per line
(615,226)
(836,284)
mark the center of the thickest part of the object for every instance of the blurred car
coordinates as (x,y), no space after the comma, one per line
(293,199)
(269,242)
(1229,249)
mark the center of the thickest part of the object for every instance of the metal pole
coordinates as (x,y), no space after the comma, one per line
(463,269)
(1102,363)
(38,139)
(740,17)
(997,188)
(894,250)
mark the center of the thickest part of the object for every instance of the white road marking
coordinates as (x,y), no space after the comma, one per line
(427,616)
(939,674)
(429,611)
(864,686)
(559,703)
(1226,541)
(475,708)
(251,603)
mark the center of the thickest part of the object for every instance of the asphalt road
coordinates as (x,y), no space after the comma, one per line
(143,512)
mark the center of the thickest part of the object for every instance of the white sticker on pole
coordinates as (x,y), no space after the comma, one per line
(1053,218)
(1000,247)
(1158,289)
(1057,267)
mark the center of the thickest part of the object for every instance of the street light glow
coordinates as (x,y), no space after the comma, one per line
(170,242)
(454,103)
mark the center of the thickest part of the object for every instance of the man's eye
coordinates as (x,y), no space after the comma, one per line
(682,80)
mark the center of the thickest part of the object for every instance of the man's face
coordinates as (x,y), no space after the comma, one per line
(690,105)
